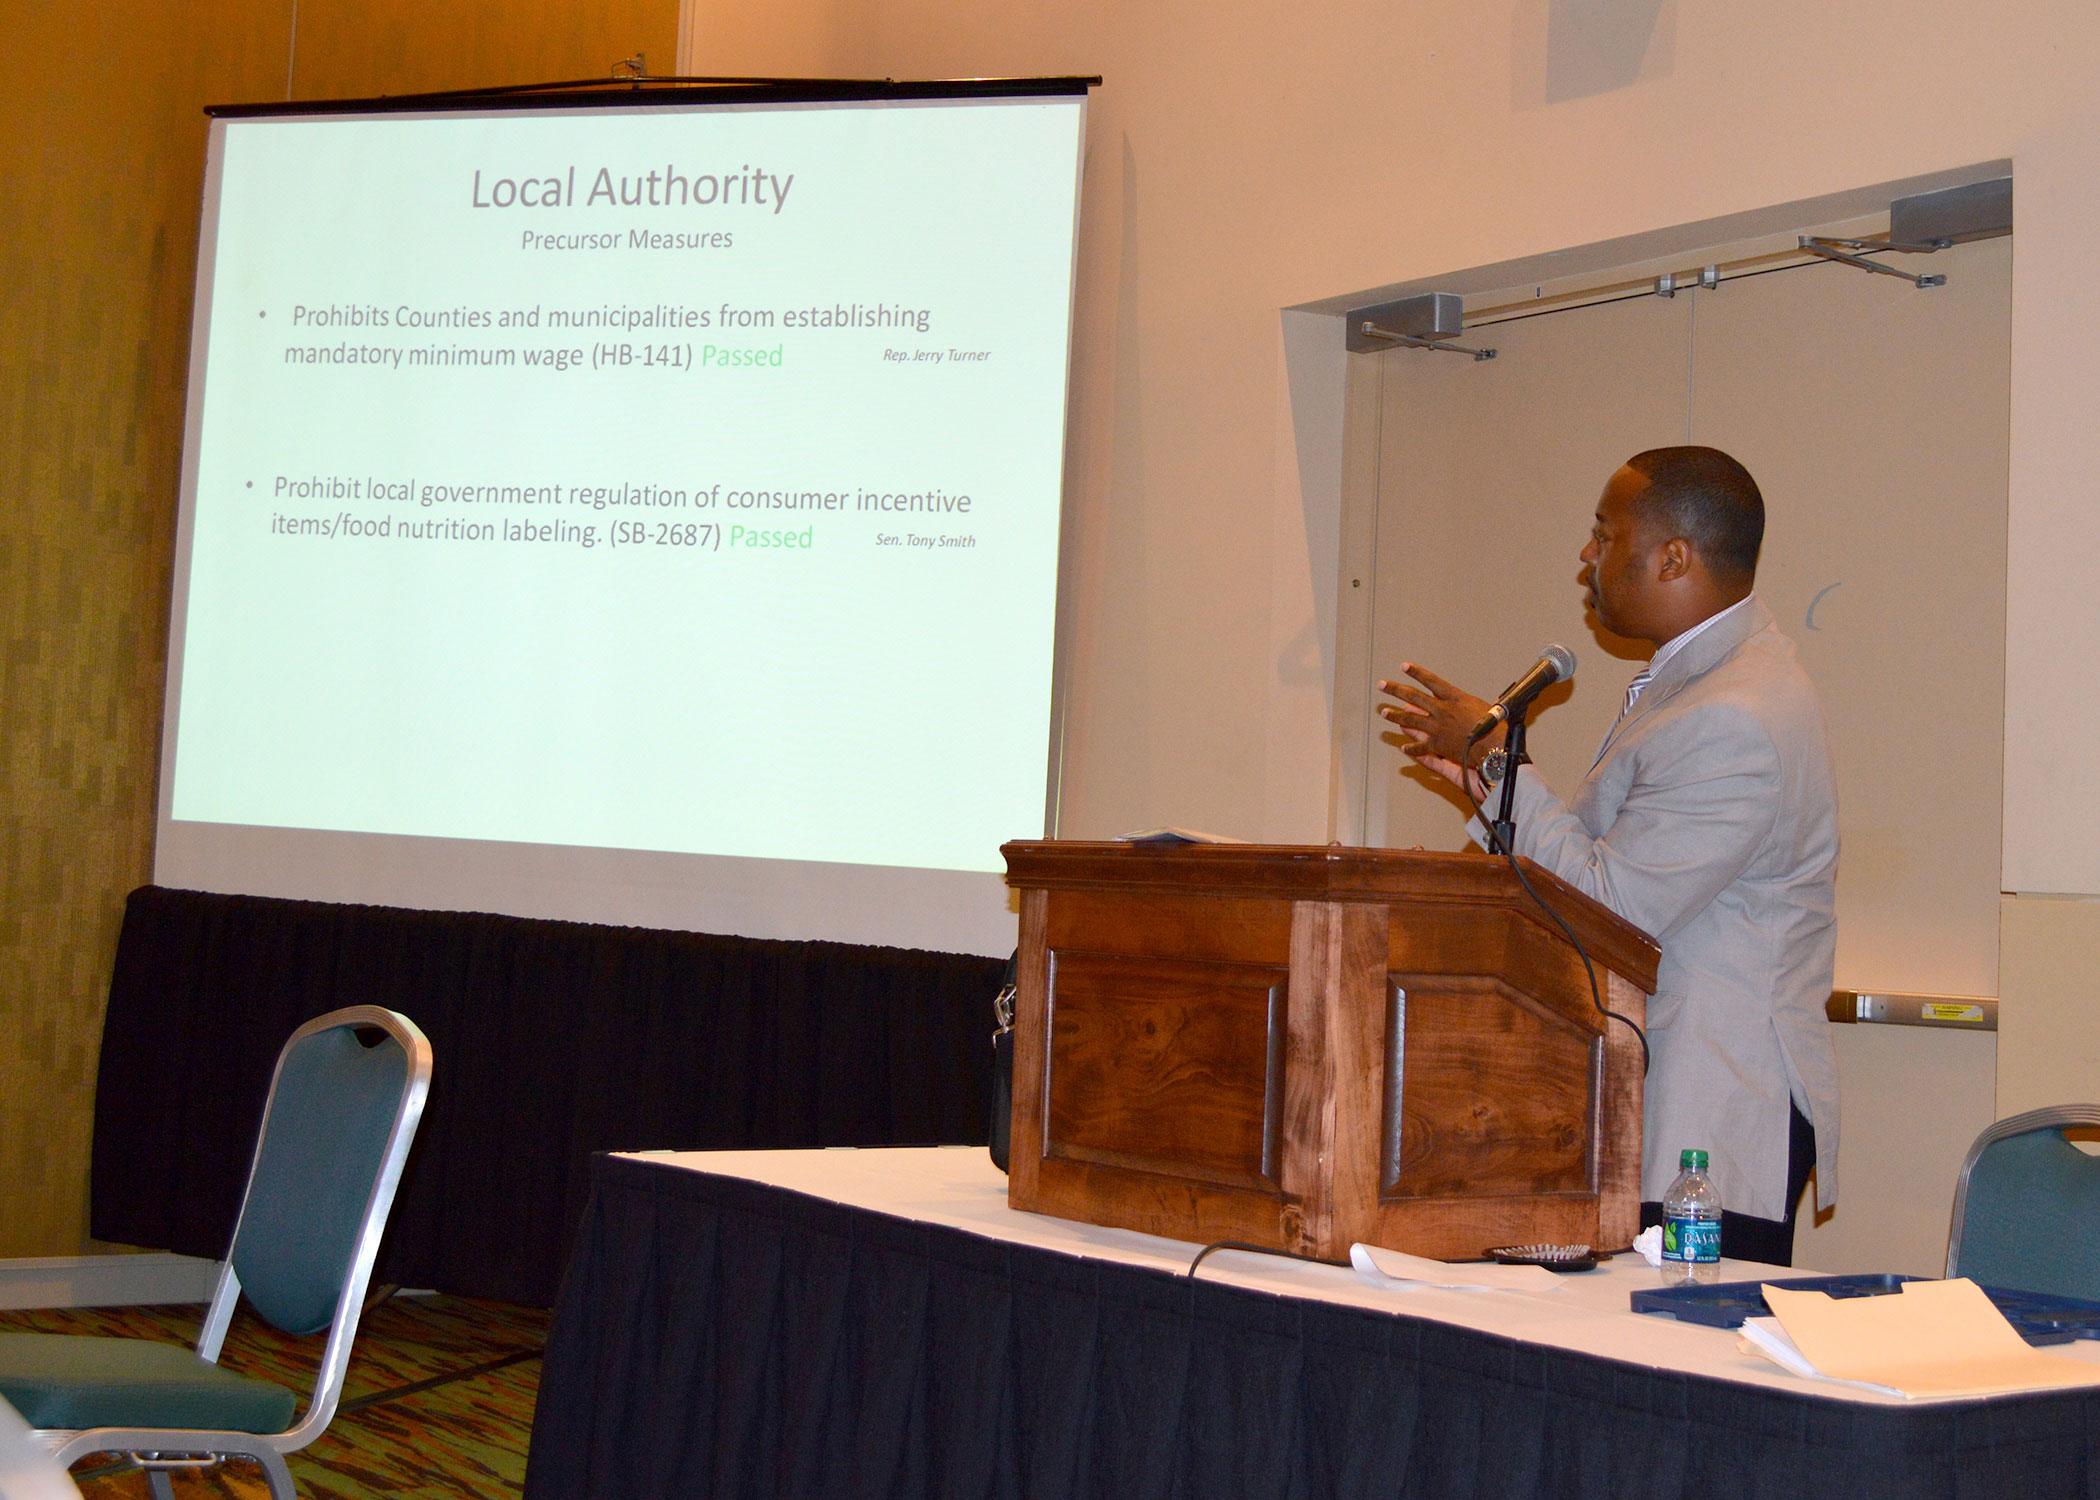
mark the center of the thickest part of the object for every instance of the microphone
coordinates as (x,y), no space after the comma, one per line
(1555,664)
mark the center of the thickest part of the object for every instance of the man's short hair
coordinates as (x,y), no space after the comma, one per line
(1706,497)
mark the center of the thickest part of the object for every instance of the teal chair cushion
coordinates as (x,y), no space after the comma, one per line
(69,1382)
(320,1153)
(2032,1217)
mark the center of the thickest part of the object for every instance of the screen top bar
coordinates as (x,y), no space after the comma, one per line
(616,93)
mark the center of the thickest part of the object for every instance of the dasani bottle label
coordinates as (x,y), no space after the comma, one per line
(1695,1240)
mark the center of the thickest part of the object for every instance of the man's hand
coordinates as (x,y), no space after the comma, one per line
(1435,718)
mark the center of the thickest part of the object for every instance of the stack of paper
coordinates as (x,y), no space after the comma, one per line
(1933,1338)
(1175,836)
(1391,1268)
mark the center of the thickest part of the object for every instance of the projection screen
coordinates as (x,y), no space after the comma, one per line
(641,512)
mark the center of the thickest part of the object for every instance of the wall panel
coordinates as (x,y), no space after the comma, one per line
(353,48)
(103,146)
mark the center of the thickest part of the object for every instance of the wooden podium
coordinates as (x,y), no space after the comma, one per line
(1305,1047)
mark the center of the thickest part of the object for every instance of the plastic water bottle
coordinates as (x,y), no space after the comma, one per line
(1691,1225)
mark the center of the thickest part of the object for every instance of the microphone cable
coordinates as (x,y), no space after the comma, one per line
(1496,846)
(1253,1249)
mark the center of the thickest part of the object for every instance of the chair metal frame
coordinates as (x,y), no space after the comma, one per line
(2053,1116)
(160,1450)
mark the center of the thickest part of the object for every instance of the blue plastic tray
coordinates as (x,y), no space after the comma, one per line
(2041,1319)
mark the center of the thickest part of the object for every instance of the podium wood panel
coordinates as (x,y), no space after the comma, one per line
(1167,1065)
(1304,1047)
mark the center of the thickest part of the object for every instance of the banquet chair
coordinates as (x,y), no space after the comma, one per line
(336,1130)
(2027,1206)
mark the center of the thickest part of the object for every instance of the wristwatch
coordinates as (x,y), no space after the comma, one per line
(1495,765)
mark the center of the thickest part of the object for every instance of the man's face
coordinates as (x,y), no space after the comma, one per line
(1620,562)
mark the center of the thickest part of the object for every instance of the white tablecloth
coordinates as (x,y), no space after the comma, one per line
(1587,1312)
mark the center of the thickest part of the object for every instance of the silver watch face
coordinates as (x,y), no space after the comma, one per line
(1493,764)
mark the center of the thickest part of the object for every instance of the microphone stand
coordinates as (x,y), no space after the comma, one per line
(1503,831)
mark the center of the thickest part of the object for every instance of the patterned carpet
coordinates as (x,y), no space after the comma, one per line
(438,1403)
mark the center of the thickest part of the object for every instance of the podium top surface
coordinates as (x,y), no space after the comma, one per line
(1332,872)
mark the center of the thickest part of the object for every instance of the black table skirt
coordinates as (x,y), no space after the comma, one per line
(718,1337)
(552,1040)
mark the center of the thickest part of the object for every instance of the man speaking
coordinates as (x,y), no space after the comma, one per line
(1709,819)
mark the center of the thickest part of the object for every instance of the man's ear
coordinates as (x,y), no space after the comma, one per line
(1676,560)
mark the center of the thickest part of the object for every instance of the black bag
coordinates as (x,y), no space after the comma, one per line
(1003,1064)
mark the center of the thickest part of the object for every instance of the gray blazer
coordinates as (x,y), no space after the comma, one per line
(1710,820)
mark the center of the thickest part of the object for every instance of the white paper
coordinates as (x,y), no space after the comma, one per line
(1765,1336)
(1171,835)
(1402,1272)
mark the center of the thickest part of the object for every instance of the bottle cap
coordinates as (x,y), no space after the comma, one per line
(1691,1161)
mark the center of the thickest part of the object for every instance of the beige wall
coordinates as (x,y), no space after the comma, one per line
(2052,797)
(1253,158)
(1245,159)
(104,146)
(102,138)
(2048,1048)
(2049,930)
